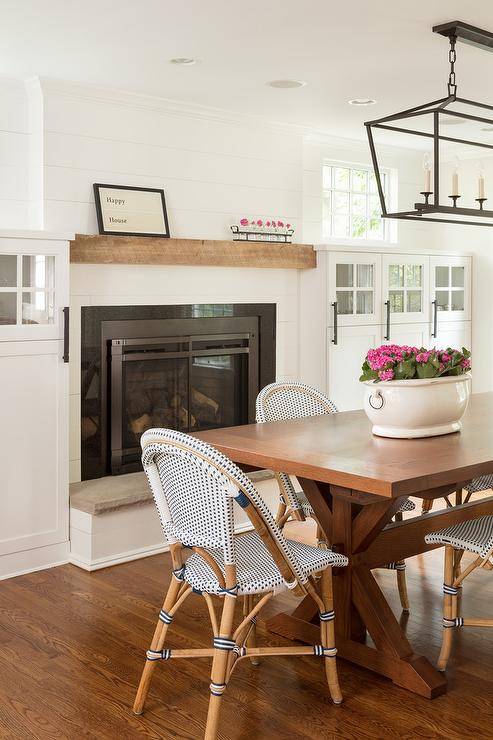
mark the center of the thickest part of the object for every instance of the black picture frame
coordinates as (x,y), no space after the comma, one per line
(99,211)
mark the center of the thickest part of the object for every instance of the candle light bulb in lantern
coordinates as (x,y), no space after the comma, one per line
(427,170)
(481,180)
(455,177)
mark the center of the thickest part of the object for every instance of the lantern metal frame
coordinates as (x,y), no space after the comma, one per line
(438,108)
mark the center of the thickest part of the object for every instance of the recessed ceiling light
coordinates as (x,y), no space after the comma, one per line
(362,101)
(287,83)
(184,61)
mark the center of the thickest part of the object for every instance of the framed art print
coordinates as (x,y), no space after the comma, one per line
(128,211)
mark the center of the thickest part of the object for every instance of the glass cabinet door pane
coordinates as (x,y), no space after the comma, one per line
(396,276)
(38,307)
(8,308)
(364,276)
(38,271)
(344,276)
(457,302)
(364,302)
(344,301)
(8,271)
(413,301)
(396,298)
(413,275)
(458,277)
(442,276)
(442,299)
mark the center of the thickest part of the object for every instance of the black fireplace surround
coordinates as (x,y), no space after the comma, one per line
(190,367)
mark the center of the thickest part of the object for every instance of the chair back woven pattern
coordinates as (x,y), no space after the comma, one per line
(291,400)
(194,486)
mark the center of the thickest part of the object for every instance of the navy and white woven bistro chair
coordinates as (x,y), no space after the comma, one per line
(474,536)
(195,488)
(294,400)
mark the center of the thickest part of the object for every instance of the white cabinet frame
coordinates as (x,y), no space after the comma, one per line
(450,315)
(405,316)
(354,259)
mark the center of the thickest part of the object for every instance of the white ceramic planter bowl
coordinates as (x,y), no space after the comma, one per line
(417,408)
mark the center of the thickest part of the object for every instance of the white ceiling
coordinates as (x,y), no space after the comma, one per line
(383,49)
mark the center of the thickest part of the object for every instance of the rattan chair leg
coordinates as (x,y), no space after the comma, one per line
(402,586)
(327,636)
(252,637)
(219,670)
(426,505)
(401,575)
(448,609)
(156,644)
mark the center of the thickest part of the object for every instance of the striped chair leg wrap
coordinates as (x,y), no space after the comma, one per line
(253,620)
(217,689)
(224,643)
(450,590)
(396,566)
(179,573)
(165,617)
(233,591)
(240,650)
(457,622)
(158,654)
(324,652)
(326,616)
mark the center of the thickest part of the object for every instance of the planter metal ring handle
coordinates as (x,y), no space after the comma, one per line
(376,400)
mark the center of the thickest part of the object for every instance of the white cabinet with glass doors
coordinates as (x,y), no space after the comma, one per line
(416,299)
(34,291)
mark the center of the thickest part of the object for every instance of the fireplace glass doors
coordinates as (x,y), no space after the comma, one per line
(188,383)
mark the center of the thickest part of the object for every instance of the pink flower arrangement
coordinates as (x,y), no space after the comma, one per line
(402,362)
(244,222)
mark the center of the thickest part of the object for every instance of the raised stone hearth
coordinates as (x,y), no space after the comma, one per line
(112,493)
(113,519)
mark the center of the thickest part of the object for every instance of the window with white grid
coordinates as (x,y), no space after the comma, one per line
(351,206)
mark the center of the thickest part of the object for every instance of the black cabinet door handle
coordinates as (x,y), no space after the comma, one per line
(434,333)
(387,336)
(66,333)
(334,338)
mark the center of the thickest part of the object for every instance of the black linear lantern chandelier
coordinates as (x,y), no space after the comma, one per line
(431,120)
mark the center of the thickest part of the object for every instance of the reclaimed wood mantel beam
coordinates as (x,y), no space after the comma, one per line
(135,250)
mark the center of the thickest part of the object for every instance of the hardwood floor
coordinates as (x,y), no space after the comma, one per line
(72,646)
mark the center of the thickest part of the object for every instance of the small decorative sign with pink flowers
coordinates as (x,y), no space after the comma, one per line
(400,362)
(262,230)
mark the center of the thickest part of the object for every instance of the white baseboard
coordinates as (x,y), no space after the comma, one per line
(123,557)
(29,561)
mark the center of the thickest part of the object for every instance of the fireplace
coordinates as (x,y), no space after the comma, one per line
(188,368)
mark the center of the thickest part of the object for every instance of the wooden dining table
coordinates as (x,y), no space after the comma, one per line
(356,483)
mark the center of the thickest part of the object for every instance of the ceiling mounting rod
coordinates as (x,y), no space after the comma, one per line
(466,33)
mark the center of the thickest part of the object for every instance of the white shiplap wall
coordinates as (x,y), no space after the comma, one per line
(212,169)
(14,156)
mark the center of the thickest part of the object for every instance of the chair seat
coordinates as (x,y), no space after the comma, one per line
(483,483)
(256,570)
(475,535)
